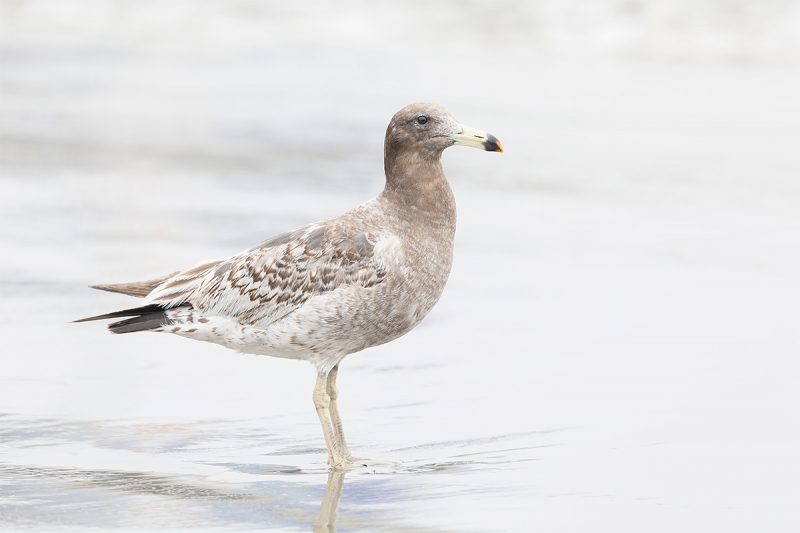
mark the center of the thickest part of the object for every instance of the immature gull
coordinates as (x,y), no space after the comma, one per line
(333,287)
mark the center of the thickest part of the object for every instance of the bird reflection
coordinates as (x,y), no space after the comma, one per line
(326,523)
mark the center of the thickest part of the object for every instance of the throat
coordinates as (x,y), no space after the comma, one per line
(417,183)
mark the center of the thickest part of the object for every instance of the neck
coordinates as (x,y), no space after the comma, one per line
(416,181)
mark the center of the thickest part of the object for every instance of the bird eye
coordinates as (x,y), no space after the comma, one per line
(422,119)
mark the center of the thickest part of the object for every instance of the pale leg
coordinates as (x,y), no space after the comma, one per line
(333,393)
(322,401)
(325,394)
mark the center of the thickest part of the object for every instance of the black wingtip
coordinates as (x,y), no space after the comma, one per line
(136,311)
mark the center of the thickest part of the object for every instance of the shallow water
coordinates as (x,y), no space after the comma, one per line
(616,348)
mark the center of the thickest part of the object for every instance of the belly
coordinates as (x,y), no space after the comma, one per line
(323,331)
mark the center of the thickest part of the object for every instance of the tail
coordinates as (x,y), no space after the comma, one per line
(137,288)
(145,318)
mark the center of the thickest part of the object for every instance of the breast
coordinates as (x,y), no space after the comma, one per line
(419,265)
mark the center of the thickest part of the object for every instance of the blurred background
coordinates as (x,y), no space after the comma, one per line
(618,344)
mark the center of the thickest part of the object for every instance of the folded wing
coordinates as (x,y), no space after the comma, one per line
(269,281)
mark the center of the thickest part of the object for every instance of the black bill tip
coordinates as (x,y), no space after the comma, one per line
(492,144)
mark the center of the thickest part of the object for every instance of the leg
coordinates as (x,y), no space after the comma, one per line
(325,394)
(333,393)
(322,401)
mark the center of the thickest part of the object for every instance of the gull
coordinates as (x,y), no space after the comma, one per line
(333,287)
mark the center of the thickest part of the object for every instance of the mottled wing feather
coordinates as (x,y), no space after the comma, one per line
(267,282)
(175,290)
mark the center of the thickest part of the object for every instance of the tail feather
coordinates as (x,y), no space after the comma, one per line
(141,323)
(139,289)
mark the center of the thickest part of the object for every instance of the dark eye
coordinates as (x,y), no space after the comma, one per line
(422,119)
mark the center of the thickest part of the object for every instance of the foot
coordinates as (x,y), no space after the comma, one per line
(354,463)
